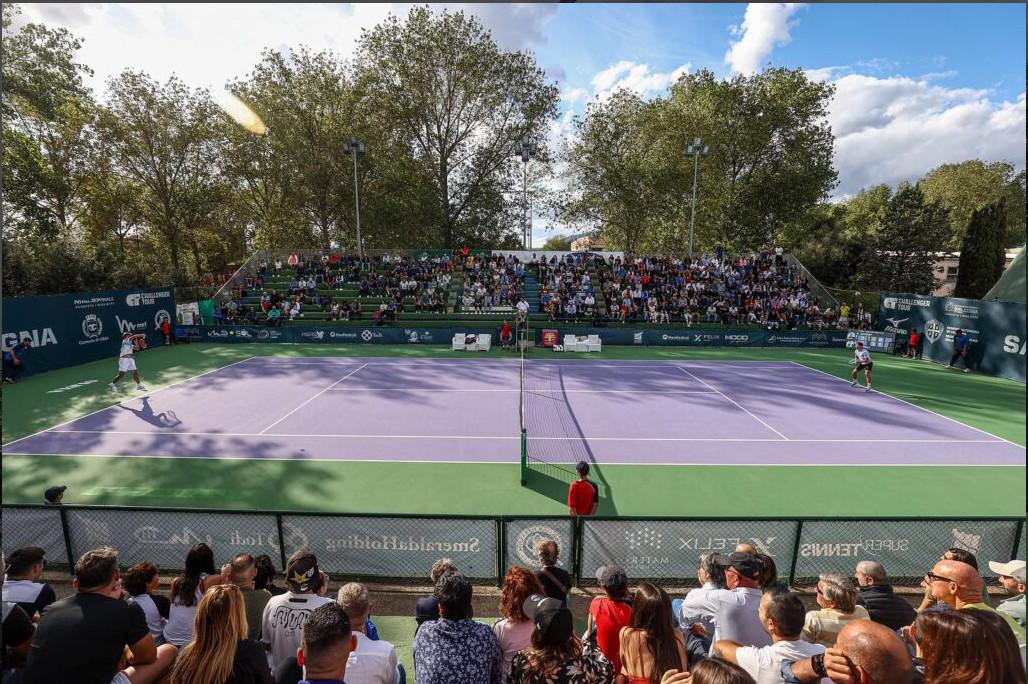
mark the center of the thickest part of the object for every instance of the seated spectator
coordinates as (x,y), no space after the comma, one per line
(83,638)
(243,573)
(285,614)
(556,654)
(324,654)
(371,661)
(838,600)
(23,582)
(651,645)
(782,615)
(274,317)
(186,591)
(1012,579)
(737,608)
(876,595)
(455,649)
(959,586)
(514,631)
(697,608)
(966,646)
(865,651)
(710,671)
(220,651)
(140,582)
(556,581)
(18,631)
(610,613)
(265,576)
(427,608)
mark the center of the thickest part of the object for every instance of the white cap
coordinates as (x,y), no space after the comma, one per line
(1015,569)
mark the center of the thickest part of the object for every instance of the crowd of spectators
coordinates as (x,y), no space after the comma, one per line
(492,283)
(741,626)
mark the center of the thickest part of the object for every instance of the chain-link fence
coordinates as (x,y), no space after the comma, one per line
(403,547)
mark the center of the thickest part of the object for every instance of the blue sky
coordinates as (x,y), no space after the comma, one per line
(917,85)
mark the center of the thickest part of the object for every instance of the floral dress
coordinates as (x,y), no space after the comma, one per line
(590,667)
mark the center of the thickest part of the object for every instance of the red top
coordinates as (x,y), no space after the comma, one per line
(505,331)
(913,338)
(165,327)
(581,497)
(610,616)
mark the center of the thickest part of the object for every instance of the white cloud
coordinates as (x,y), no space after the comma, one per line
(893,129)
(208,44)
(765,26)
(635,77)
(939,75)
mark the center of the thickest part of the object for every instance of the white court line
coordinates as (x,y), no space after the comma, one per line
(356,370)
(734,402)
(922,408)
(584,363)
(527,389)
(148,393)
(538,439)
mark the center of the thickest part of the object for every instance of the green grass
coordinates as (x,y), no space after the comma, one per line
(991,404)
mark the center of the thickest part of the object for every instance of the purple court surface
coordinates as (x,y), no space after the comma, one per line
(466,410)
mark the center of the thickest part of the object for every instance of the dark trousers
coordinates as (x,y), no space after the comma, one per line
(959,355)
(11,370)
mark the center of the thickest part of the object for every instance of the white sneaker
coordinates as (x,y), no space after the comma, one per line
(111,387)
(141,387)
(967,370)
(867,389)
(853,384)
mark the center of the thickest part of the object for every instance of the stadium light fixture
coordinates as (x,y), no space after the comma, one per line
(694,151)
(355,148)
(524,149)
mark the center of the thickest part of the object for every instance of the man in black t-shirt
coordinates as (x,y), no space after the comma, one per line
(84,638)
(17,632)
(23,584)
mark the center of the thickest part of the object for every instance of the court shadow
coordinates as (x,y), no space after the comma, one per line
(552,481)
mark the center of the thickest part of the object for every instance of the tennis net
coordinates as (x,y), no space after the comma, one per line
(521,417)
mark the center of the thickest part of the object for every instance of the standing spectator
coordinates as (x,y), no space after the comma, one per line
(244,572)
(698,608)
(186,591)
(961,350)
(140,582)
(737,609)
(372,661)
(14,361)
(912,344)
(166,331)
(609,613)
(54,496)
(838,600)
(514,631)
(427,607)
(23,582)
(781,613)
(651,645)
(965,646)
(1012,578)
(556,581)
(265,577)
(220,653)
(556,655)
(455,649)
(876,595)
(960,586)
(583,495)
(285,614)
(83,638)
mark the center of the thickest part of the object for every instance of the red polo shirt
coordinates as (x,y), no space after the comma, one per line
(582,496)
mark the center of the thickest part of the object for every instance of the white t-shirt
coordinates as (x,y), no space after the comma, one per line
(765,664)
(283,621)
(372,662)
(126,349)
(697,607)
(862,356)
(737,616)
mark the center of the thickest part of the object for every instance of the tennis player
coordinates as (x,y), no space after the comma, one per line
(126,362)
(863,362)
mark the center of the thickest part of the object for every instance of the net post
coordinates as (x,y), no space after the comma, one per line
(524,457)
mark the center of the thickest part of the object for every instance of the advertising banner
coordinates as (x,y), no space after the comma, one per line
(996,329)
(703,337)
(330,335)
(70,329)
(34,527)
(524,535)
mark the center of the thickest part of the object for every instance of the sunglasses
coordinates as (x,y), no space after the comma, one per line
(932,577)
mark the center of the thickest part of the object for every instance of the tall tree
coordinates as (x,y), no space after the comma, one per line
(460,102)
(901,256)
(982,253)
(966,187)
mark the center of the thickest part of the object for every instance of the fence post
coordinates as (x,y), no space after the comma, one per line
(67,540)
(795,552)
(577,527)
(281,541)
(1017,537)
(501,549)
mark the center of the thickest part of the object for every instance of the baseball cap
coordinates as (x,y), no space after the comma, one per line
(52,493)
(1015,569)
(24,558)
(612,577)
(554,622)
(303,574)
(746,564)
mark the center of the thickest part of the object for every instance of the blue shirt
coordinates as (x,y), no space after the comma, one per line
(18,349)
(456,652)
(961,342)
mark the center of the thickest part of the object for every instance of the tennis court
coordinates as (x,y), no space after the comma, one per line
(468,411)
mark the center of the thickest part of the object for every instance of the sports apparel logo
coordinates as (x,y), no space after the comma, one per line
(92,326)
(933,330)
(530,537)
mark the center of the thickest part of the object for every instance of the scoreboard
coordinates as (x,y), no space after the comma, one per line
(873,340)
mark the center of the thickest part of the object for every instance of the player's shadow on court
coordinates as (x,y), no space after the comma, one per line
(165,419)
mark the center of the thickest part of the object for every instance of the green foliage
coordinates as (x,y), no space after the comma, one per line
(966,187)
(983,253)
(557,243)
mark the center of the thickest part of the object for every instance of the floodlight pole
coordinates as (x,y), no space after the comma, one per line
(525,149)
(696,150)
(355,149)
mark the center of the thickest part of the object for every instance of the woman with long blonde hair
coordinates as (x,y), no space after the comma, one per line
(220,653)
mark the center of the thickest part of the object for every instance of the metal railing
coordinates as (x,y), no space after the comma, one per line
(403,546)
(815,286)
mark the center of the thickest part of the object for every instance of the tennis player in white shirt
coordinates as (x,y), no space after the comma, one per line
(127,362)
(863,362)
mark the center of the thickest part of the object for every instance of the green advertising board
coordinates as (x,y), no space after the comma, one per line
(996,329)
(70,329)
